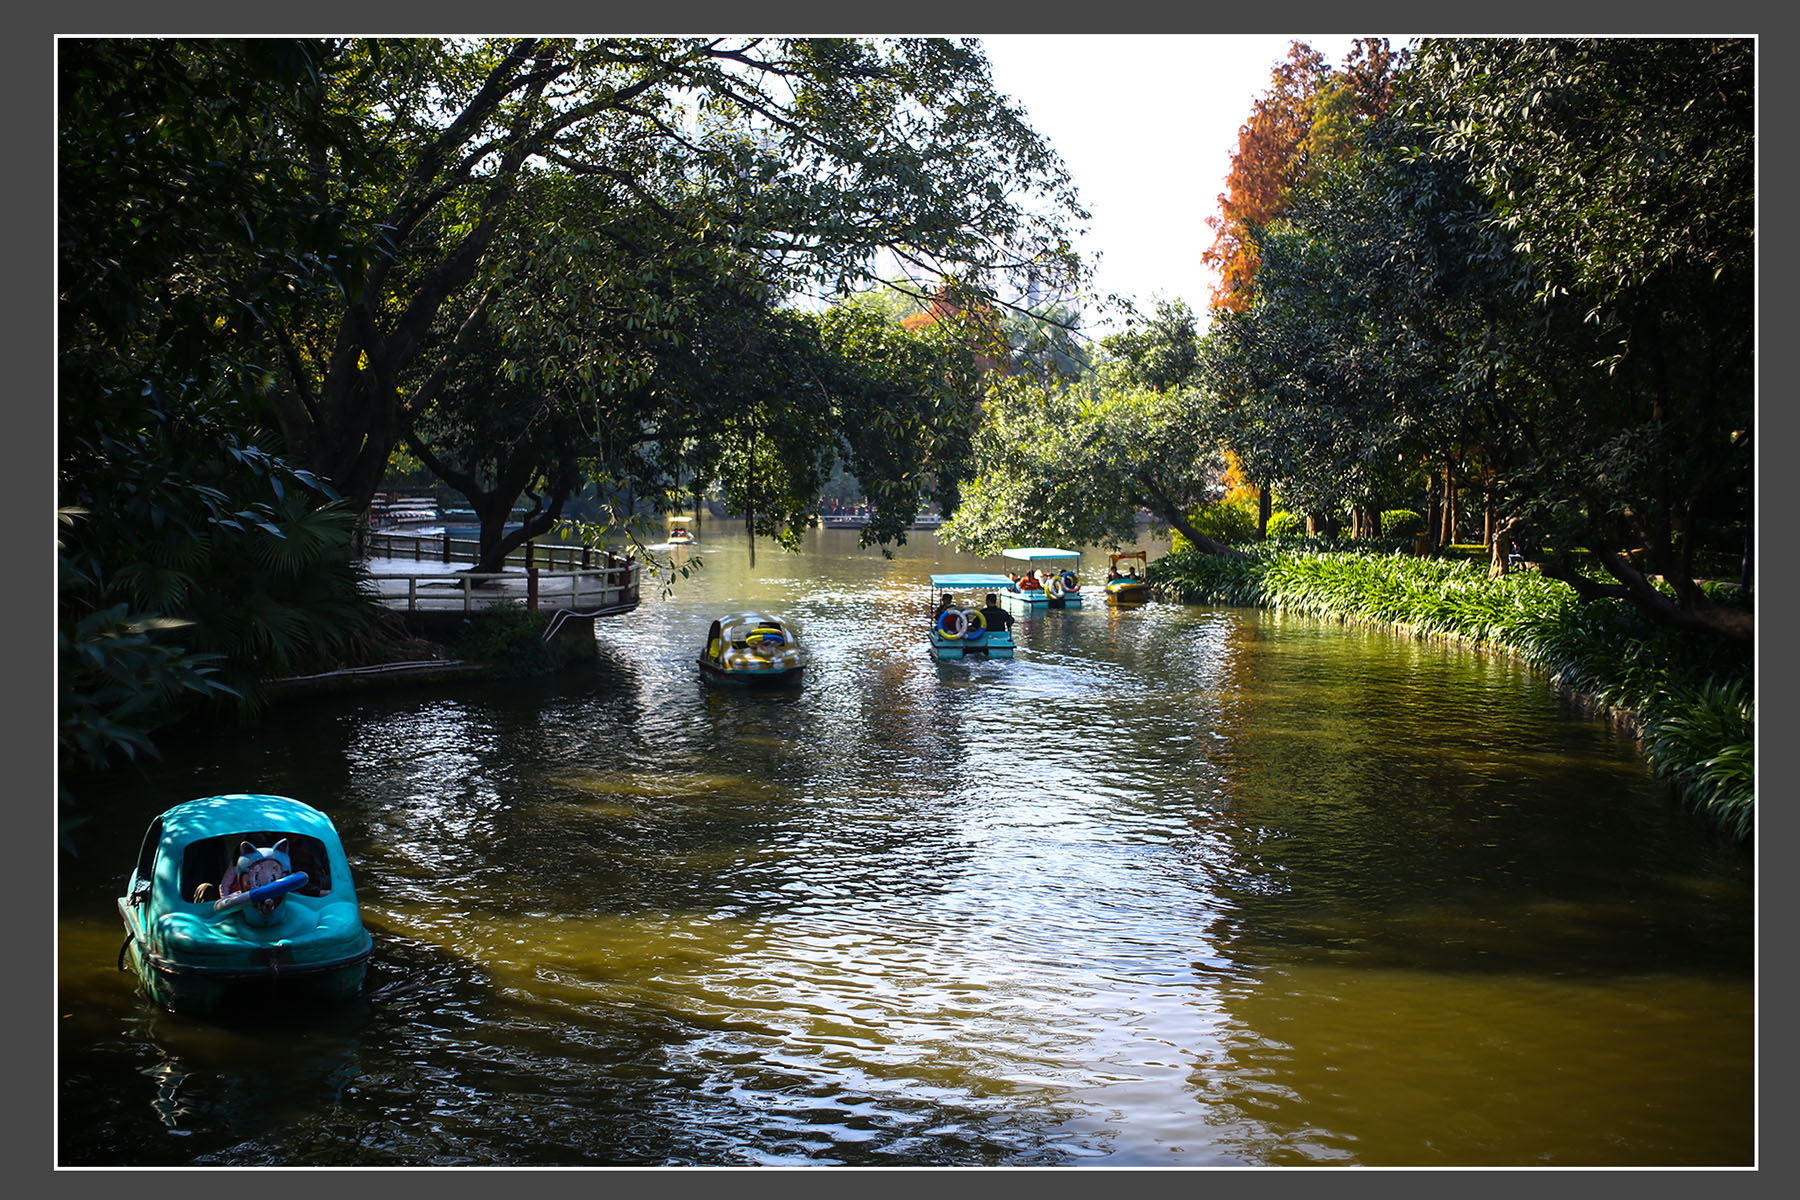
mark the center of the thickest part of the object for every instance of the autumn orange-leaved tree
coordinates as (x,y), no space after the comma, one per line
(1308,116)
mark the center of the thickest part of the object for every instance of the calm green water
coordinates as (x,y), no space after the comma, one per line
(1176,887)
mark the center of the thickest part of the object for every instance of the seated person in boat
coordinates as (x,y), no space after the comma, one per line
(997,618)
(944,603)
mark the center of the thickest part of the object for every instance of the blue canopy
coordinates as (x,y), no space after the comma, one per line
(1030,553)
(242,811)
(968,582)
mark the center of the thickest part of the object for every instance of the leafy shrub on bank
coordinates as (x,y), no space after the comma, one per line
(1690,696)
(1401,523)
(1233,524)
(508,637)
(1284,524)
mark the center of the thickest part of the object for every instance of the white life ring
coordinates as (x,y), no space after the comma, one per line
(1054,587)
(974,625)
(953,624)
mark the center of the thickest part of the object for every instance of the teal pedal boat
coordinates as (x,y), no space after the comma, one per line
(243,896)
(1049,578)
(958,628)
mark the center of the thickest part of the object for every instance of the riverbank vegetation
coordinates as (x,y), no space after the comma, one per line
(1688,697)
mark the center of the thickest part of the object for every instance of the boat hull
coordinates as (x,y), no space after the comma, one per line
(1127,593)
(992,645)
(766,676)
(1028,599)
(181,984)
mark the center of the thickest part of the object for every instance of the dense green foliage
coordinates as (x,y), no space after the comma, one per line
(1689,694)
(1223,521)
(537,263)
(1074,461)
(509,639)
(1285,524)
(1401,522)
(1532,282)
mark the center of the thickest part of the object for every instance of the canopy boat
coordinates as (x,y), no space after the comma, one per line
(242,896)
(755,649)
(679,532)
(854,517)
(959,630)
(1126,584)
(1049,577)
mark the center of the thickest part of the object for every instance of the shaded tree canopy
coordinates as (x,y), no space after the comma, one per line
(806,155)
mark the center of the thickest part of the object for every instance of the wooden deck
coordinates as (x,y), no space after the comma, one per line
(428,578)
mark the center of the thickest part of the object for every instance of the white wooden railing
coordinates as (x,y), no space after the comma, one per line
(441,547)
(594,591)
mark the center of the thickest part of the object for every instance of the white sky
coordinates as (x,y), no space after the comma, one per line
(1146,124)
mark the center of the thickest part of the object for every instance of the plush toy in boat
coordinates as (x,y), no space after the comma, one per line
(258,880)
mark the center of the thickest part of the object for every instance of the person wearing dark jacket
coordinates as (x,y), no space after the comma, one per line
(997,618)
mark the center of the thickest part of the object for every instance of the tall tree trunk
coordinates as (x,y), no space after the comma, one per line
(750,509)
(1748,572)
(1449,538)
(1433,511)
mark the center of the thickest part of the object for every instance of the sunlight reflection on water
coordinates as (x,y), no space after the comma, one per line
(1174,887)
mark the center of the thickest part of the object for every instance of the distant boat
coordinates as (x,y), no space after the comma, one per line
(1049,578)
(404,513)
(1127,586)
(859,517)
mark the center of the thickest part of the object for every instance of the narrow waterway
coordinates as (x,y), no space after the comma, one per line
(1175,887)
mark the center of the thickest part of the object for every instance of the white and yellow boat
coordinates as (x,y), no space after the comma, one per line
(753,649)
(1127,584)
